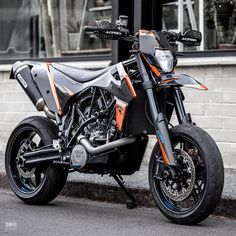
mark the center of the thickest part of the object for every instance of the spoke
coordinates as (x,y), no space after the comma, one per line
(40,144)
(29,182)
(157,177)
(32,183)
(31,136)
(37,178)
(194,195)
(186,146)
(26,182)
(171,184)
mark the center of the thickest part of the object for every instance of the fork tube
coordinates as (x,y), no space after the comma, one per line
(158,118)
(154,109)
(183,118)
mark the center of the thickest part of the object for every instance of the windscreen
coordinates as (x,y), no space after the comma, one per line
(151,40)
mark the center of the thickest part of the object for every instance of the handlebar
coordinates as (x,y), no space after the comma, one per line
(171,36)
(189,37)
(88,28)
(107,30)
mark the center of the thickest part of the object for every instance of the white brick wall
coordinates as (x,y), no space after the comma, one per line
(14,107)
(213,110)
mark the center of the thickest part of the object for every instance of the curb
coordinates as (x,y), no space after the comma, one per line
(109,193)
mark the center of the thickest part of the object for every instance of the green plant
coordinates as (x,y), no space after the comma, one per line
(73,25)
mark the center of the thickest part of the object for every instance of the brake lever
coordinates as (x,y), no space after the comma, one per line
(179,54)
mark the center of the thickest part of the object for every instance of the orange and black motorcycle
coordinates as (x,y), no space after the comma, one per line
(99,122)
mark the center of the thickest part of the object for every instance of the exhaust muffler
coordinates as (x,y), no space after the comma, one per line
(22,73)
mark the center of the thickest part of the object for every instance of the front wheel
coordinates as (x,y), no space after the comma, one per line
(193,194)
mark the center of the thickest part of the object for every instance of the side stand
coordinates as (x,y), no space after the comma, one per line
(131,203)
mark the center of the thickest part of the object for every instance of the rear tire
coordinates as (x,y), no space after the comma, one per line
(213,171)
(46,182)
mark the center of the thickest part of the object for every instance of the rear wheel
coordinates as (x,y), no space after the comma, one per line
(38,184)
(194,194)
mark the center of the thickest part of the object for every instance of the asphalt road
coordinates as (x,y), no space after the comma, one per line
(68,216)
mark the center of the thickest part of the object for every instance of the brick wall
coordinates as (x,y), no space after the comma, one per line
(213,110)
(14,106)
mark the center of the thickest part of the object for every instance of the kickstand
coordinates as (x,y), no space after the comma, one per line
(131,203)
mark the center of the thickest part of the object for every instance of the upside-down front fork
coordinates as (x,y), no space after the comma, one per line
(158,118)
(162,131)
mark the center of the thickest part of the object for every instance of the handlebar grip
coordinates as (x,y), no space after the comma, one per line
(171,33)
(88,28)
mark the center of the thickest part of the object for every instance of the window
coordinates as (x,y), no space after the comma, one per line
(216,19)
(51,28)
(220,22)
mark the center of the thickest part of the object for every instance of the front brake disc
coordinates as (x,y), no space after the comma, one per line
(180,188)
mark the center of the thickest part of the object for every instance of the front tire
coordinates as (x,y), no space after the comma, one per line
(37,184)
(207,186)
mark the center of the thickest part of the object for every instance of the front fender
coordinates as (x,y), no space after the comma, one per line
(175,80)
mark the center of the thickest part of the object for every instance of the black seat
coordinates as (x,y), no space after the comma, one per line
(79,75)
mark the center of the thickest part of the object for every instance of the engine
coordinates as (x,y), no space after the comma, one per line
(95,111)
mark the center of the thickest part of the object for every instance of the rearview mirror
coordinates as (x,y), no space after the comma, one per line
(191,38)
(123,21)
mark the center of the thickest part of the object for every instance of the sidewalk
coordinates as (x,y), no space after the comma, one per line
(106,189)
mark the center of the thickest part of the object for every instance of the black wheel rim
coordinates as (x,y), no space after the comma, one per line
(192,201)
(27,180)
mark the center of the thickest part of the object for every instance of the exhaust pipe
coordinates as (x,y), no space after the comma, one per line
(49,155)
(106,147)
(38,157)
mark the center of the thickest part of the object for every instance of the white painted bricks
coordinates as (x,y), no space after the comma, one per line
(215,110)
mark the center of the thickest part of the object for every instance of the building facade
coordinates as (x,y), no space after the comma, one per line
(52,30)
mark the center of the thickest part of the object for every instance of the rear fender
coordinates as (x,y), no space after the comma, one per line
(175,80)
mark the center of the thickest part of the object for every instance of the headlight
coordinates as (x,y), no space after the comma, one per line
(165,59)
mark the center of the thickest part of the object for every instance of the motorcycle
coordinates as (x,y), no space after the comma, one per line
(99,122)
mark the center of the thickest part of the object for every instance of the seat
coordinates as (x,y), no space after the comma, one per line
(79,75)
